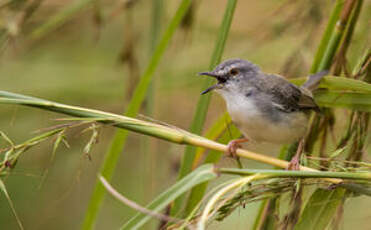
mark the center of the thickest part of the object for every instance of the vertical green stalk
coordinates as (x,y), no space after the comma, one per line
(112,156)
(203,103)
(336,36)
(157,9)
(340,60)
(151,160)
(327,35)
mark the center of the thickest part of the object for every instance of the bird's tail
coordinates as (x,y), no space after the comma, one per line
(314,79)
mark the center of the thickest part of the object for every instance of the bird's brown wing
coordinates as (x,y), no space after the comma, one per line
(290,98)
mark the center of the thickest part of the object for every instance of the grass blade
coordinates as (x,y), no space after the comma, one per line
(3,189)
(133,108)
(200,175)
(342,93)
(203,103)
(339,83)
(351,100)
(320,209)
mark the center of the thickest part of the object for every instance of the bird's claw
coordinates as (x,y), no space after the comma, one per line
(232,149)
(294,164)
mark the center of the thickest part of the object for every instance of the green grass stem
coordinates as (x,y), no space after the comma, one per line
(299,174)
(336,36)
(334,16)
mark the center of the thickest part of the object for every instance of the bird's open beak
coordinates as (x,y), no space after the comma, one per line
(217,85)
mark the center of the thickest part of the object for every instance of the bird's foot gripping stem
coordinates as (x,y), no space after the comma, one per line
(294,164)
(233,146)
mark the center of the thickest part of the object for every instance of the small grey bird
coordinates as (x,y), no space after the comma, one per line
(264,107)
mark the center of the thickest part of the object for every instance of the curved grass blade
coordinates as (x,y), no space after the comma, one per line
(200,175)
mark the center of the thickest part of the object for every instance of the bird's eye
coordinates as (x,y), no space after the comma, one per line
(234,72)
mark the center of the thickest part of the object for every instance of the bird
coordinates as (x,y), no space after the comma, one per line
(264,107)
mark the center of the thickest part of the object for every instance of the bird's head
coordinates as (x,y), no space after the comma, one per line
(229,73)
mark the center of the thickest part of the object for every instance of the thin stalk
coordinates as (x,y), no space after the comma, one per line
(119,139)
(327,35)
(204,101)
(132,204)
(336,36)
(300,174)
(340,58)
(151,159)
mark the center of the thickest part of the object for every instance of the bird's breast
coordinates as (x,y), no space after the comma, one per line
(255,124)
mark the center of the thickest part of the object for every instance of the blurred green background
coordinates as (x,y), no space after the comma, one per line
(79,64)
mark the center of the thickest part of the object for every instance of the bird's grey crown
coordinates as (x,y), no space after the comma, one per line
(237,63)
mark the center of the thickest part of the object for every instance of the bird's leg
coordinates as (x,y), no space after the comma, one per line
(295,161)
(233,145)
